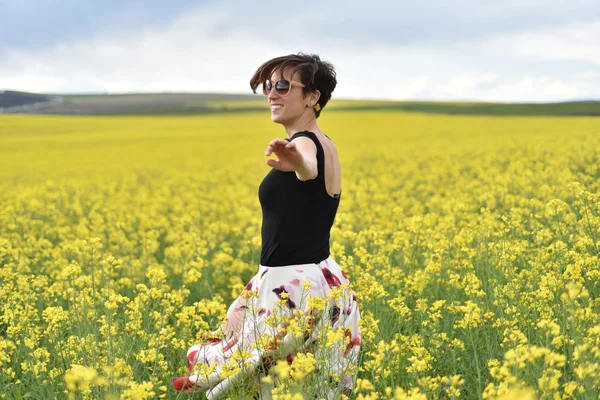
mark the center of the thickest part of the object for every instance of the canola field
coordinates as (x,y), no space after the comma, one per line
(472,244)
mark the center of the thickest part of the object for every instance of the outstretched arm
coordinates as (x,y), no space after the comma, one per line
(299,155)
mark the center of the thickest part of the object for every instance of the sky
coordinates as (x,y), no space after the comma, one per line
(505,51)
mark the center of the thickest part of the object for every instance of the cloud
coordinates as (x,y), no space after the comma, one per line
(488,87)
(534,89)
(40,23)
(36,24)
(412,89)
(465,85)
(588,75)
(212,49)
(181,56)
(576,41)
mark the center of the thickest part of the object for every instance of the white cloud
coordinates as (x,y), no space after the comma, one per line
(465,85)
(576,41)
(195,54)
(488,87)
(412,89)
(535,89)
(184,56)
(30,79)
(588,75)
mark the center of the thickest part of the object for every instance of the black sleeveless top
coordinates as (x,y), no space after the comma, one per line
(297,215)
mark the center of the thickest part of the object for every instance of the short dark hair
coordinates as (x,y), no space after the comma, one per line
(314,73)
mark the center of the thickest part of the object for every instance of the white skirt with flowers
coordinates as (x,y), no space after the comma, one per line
(291,325)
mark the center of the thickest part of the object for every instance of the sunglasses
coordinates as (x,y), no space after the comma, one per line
(282,86)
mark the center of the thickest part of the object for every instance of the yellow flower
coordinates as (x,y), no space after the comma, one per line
(80,378)
(138,391)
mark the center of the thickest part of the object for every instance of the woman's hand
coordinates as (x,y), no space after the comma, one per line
(289,158)
(299,155)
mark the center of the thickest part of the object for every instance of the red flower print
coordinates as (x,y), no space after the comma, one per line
(281,289)
(191,358)
(332,280)
(182,383)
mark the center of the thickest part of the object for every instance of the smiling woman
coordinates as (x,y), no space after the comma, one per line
(308,72)
(297,320)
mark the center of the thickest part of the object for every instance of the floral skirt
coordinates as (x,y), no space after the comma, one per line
(302,319)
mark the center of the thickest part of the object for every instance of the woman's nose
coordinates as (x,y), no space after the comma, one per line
(272,93)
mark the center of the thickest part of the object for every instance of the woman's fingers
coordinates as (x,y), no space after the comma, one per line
(274,163)
(286,152)
(275,145)
(270,149)
(290,146)
(278,146)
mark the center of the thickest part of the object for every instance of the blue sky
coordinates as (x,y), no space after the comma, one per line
(529,50)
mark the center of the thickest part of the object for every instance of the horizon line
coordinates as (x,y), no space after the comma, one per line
(106,93)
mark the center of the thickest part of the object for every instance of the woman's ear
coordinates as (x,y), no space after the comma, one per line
(316,95)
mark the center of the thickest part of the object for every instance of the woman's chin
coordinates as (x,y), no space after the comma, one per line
(276,118)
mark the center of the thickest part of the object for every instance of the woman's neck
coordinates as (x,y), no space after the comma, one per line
(302,125)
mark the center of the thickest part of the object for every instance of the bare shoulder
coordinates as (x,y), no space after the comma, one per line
(327,143)
(305,144)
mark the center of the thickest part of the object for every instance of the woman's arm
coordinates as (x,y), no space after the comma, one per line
(299,155)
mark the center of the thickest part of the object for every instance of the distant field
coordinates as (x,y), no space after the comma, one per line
(209,103)
(134,104)
(581,108)
(11,99)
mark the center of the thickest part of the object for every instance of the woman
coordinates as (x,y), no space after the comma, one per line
(299,306)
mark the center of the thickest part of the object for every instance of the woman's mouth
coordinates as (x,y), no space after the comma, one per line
(276,106)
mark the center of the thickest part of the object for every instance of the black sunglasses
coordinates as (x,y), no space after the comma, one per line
(282,86)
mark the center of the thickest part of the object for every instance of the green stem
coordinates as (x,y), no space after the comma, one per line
(479,390)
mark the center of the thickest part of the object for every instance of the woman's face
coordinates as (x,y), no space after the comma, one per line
(287,108)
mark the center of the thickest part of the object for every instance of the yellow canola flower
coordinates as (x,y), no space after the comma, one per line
(139,391)
(288,396)
(517,394)
(302,365)
(282,369)
(80,378)
(461,230)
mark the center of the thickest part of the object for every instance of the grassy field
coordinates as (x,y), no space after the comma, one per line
(582,108)
(210,103)
(471,241)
